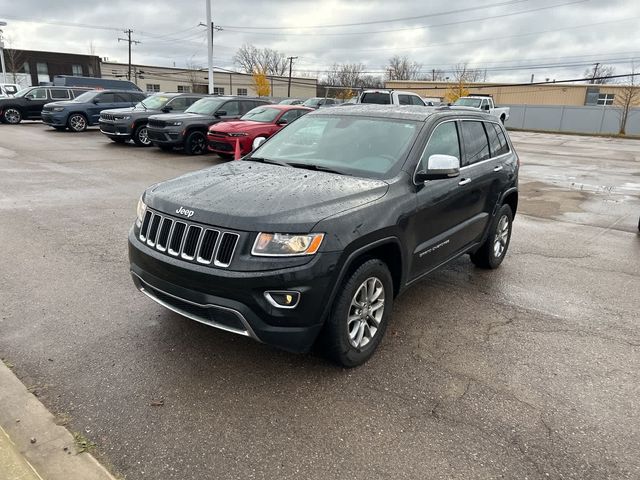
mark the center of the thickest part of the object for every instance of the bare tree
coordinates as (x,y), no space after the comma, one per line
(193,76)
(91,48)
(251,59)
(436,75)
(598,71)
(14,59)
(401,68)
(462,73)
(628,97)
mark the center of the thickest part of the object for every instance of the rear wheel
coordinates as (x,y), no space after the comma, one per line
(77,122)
(502,119)
(493,250)
(12,116)
(195,144)
(360,315)
(141,136)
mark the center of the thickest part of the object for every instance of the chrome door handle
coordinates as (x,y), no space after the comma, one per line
(498,168)
(464,181)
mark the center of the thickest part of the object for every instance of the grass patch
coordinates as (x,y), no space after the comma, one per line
(83,444)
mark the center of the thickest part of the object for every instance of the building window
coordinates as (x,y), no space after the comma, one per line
(218,90)
(184,89)
(76,70)
(153,87)
(25,68)
(43,72)
(605,99)
(242,92)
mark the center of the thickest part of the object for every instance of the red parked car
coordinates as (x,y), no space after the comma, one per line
(235,138)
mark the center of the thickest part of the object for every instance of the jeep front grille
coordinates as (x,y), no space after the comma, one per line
(107,116)
(188,241)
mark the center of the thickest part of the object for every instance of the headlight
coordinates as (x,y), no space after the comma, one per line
(175,124)
(121,117)
(140,211)
(58,109)
(238,134)
(285,244)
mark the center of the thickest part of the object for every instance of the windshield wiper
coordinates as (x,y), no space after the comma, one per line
(267,160)
(318,168)
(143,106)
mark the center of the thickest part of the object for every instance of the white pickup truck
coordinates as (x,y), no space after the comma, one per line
(390,97)
(485,104)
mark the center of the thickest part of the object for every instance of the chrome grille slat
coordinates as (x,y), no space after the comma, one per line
(188,241)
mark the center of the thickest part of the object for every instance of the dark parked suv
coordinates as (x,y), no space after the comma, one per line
(314,234)
(124,124)
(189,129)
(27,103)
(83,111)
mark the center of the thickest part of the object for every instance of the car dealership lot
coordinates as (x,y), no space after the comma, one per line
(528,371)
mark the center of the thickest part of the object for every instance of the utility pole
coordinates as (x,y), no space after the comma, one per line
(595,73)
(433,74)
(129,41)
(291,59)
(4,71)
(210,46)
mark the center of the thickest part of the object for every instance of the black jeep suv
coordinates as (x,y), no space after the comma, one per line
(315,233)
(27,104)
(189,129)
(122,124)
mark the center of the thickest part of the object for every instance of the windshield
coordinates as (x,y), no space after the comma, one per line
(23,92)
(359,146)
(468,102)
(86,97)
(205,106)
(262,114)
(154,102)
(312,102)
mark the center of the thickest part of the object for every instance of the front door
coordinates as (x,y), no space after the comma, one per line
(36,99)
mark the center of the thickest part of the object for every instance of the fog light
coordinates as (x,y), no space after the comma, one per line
(283,298)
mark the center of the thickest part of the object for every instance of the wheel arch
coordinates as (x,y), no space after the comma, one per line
(510,198)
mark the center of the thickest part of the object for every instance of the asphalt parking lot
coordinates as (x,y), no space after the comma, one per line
(530,371)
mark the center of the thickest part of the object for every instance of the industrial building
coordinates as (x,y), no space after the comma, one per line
(226,82)
(523,94)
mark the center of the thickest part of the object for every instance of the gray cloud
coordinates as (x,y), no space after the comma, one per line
(570,35)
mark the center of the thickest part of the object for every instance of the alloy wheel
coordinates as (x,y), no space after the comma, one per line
(365,312)
(12,116)
(78,123)
(143,136)
(198,145)
(501,237)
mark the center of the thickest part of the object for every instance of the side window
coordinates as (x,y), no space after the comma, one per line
(137,97)
(476,145)
(37,94)
(443,141)
(404,100)
(502,146)
(58,94)
(178,104)
(289,116)
(77,93)
(122,97)
(106,98)
(415,100)
(232,109)
(191,100)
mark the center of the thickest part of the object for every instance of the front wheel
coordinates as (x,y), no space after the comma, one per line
(360,315)
(141,136)
(12,116)
(195,144)
(492,251)
(77,122)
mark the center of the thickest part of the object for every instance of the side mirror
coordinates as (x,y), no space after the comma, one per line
(257,142)
(439,167)
(282,122)
(96,101)
(221,113)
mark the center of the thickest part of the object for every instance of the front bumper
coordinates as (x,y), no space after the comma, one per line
(228,144)
(233,300)
(162,136)
(55,119)
(115,129)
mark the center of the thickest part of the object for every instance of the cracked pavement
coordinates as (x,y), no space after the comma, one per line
(530,371)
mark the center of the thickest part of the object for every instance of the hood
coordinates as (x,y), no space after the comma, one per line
(123,110)
(175,117)
(253,196)
(239,125)
(62,103)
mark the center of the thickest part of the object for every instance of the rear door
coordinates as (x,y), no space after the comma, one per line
(232,110)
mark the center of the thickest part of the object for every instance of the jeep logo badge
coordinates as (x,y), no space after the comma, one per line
(185,212)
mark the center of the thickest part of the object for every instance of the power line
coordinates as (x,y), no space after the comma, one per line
(375,22)
(376,32)
(128,32)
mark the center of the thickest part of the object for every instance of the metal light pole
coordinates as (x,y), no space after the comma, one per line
(210,45)
(4,71)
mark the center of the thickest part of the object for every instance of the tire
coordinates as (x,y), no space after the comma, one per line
(225,156)
(349,338)
(12,116)
(195,144)
(140,136)
(493,250)
(502,119)
(77,122)
(117,139)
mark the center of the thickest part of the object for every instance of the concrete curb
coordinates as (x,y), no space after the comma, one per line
(47,455)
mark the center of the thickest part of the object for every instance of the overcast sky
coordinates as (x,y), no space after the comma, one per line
(500,36)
